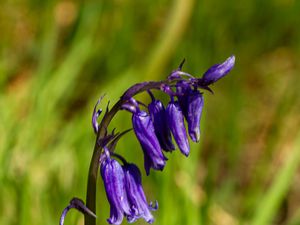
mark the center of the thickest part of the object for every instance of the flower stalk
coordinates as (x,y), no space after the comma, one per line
(153,130)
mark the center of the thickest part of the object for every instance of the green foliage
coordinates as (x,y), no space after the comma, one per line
(58,57)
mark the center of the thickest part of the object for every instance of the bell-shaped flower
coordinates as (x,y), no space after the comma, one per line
(158,115)
(193,116)
(218,71)
(145,133)
(176,123)
(182,90)
(136,195)
(114,182)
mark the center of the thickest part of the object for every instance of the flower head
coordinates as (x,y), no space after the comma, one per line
(153,130)
(135,193)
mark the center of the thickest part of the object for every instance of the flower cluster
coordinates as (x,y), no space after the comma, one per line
(154,129)
(157,128)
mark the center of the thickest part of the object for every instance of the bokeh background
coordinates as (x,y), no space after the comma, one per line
(57,57)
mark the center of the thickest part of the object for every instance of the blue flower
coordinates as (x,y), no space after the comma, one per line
(176,123)
(182,91)
(193,114)
(158,115)
(145,133)
(114,183)
(136,195)
(218,71)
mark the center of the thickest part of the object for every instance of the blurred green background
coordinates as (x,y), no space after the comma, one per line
(58,57)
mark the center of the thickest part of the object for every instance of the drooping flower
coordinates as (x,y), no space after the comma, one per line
(176,124)
(136,196)
(193,115)
(158,116)
(114,183)
(182,90)
(218,71)
(145,133)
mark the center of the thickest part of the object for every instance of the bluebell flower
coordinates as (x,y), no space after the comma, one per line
(154,131)
(136,196)
(176,123)
(158,115)
(114,182)
(193,114)
(218,71)
(182,91)
(145,133)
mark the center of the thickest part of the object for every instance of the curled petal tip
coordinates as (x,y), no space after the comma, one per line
(63,215)
(195,137)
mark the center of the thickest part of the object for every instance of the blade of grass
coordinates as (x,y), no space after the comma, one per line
(269,205)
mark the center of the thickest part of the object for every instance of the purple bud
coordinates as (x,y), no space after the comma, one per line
(145,133)
(194,111)
(158,115)
(176,124)
(182,90)
(136,195)
(96,114)
(218,71)
(114,183)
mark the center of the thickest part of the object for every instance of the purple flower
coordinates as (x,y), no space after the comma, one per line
(193,116)
(145,133)
(114,183)
(135,193)
(182,90)
(218,71)
(158,115)
(176,123)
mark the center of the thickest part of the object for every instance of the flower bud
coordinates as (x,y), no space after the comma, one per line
(218,71)
(176,123)
(158,115)
(193,116)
